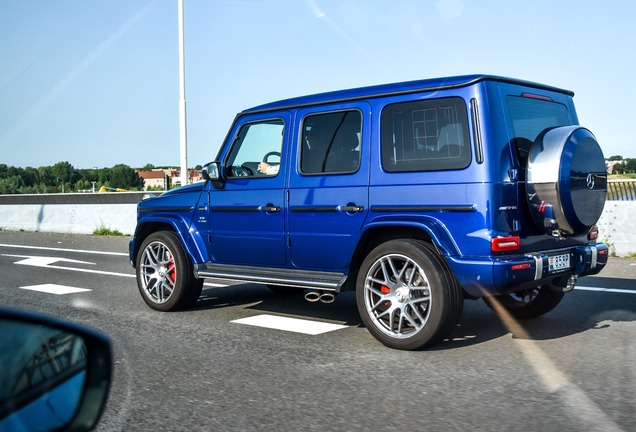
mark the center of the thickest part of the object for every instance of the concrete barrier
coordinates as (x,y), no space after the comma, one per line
(83,213)
(70,213)
(617,227)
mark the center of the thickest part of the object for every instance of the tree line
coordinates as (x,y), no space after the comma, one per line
(629,165)
(63,177)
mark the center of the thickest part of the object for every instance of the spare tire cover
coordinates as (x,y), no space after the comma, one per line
(566,181)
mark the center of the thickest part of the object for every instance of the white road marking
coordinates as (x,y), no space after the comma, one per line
(64,250)
(40,261)
(46,262)
(54,289)
(611,290)
(214,284)
(289,324)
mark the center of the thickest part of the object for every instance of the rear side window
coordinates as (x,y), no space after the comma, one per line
(331,143)
(426,135)
(528,117)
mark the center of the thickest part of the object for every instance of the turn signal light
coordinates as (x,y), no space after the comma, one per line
(505,244)
(593,235)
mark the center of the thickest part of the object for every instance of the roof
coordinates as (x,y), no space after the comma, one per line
(395,89)
(151,174)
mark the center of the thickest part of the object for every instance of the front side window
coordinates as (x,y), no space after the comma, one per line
(257,150)
(426,135)
(331,143)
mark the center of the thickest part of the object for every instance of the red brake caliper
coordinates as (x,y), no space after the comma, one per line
(171,269)
(385,290)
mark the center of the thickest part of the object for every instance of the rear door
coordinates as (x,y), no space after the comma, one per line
(328,184)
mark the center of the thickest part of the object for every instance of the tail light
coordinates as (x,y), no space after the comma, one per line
(505,244)
(593,235)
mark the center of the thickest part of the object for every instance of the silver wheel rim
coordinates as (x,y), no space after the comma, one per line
(397,303)
(158,272)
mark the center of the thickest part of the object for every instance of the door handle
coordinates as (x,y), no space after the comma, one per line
(352,209)
(269,209)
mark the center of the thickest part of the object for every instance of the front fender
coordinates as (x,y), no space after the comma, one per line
(180,224)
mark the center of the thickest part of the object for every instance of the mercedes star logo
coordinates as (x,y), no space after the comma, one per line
(590,181)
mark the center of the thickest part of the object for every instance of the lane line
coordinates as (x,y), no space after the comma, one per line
(610,290)
(45,262)
(54,289)
(64,250)
(290,324)
(40,261)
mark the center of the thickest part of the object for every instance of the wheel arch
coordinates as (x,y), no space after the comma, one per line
(148,227)
(376,234)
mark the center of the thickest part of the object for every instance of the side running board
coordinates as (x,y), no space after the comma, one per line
(329,281)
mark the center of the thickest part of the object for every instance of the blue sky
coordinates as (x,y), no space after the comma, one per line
(96,82)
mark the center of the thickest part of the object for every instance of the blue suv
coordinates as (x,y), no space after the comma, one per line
(416,195)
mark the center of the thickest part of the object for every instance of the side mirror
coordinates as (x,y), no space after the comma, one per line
(53,374)
(212,173)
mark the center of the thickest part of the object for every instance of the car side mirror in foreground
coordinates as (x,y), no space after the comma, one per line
(212,173)
(54,375)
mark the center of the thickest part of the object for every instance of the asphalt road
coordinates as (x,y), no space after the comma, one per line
(573,369)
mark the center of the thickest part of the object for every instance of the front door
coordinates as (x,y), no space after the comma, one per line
(247,216)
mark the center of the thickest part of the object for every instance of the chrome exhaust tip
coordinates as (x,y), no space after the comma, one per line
(328,297)
(313,296)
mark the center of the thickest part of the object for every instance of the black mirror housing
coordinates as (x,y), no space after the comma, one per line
(24,335)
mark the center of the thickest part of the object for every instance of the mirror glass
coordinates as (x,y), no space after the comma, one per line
(42,373)
(213,171)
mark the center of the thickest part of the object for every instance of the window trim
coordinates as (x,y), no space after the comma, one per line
(479,149)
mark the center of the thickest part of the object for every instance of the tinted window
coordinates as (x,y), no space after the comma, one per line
(528,117)
(425,135)
(331,143)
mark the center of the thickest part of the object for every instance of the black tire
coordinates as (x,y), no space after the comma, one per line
(165,276)
(527,304)
(403,312)
(285,290)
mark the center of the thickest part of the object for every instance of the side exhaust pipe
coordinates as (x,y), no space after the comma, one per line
(328,297)
(313,296)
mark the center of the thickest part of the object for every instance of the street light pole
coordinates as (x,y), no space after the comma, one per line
(182,103)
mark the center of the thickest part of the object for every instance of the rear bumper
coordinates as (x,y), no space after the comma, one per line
(500,275)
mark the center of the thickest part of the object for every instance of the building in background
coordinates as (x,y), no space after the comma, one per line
(154,179)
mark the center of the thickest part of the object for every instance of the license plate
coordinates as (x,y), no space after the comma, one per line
(559,262)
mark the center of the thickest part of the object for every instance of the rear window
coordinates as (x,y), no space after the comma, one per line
(528,117)
(426,135)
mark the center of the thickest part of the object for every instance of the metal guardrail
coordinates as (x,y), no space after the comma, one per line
(621,190)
